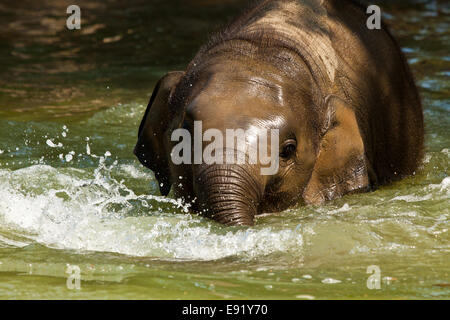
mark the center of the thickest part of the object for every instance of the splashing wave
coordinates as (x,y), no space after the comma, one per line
(70,208)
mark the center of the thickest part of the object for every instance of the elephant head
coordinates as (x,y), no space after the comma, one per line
(320,151)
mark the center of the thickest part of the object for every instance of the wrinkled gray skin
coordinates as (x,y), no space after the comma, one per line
(341,95)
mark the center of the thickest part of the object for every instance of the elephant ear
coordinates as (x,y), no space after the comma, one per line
(151,145)
(341,165)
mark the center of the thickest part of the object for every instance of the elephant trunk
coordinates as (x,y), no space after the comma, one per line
(229,194)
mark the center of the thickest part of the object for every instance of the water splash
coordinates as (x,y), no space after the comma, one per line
(71,208)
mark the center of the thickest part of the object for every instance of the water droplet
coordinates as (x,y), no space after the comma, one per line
(330,281)
(52,145)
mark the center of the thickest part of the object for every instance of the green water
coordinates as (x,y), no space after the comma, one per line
(72,193)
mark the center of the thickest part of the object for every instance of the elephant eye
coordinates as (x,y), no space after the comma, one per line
(288,149)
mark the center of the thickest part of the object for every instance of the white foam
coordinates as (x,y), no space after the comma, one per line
(136,173)
(412,198)
(444,186)
(81,210)
(344,208)
(11,242)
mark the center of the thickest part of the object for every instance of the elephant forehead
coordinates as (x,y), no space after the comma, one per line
(235,108)
(241,82)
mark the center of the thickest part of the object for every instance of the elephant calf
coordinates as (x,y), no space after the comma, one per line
(341,97)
